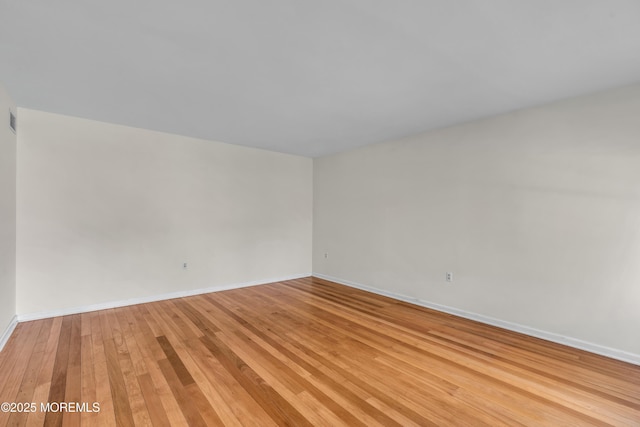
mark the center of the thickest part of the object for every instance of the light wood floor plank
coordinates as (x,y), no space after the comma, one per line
(30,377)
(88,373)
(153,353)
(104,397)
(304,352)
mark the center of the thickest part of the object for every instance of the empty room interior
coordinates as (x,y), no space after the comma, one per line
(335,213)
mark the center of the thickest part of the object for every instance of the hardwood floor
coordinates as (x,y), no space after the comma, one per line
(303,352)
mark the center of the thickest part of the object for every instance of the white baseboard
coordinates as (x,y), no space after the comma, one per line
(152,298)
(549,336)
(8,331)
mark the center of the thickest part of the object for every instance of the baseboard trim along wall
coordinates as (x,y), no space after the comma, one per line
(133,301)
(549,336)
(8,331)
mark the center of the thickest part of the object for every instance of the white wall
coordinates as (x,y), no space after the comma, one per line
(7,214)
(110,213)
(537,214)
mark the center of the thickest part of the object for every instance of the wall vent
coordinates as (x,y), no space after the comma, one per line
(12,121)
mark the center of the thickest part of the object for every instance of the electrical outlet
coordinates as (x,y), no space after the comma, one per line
(184,265)
(326,255)
(449,276)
